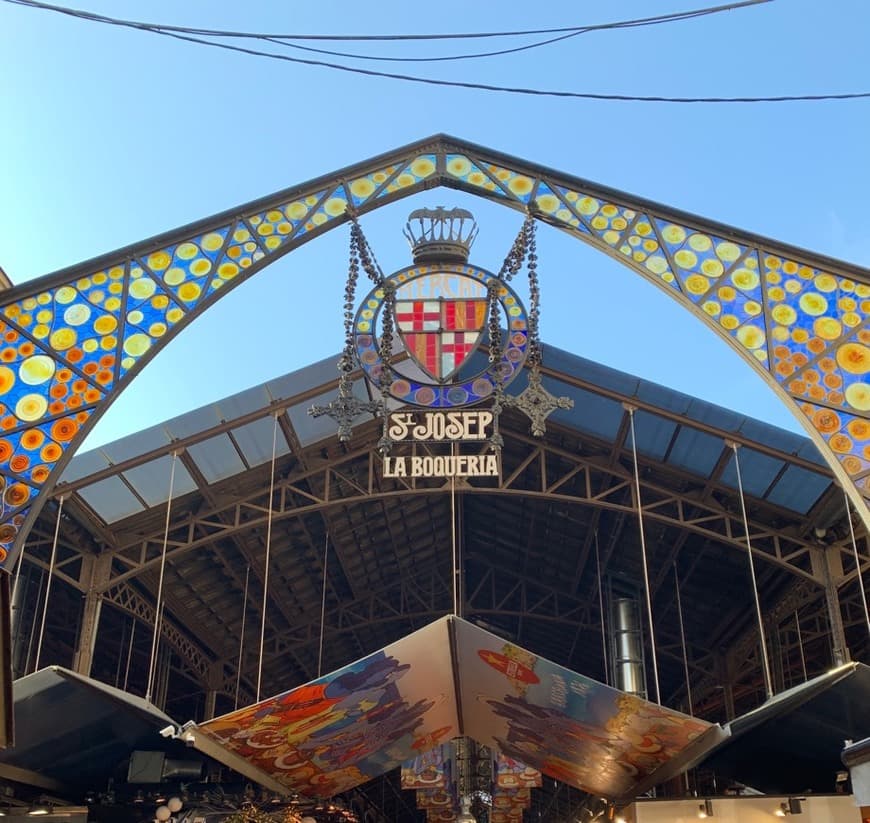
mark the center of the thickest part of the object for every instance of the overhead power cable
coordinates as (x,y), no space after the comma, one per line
(176,33)
(644,21)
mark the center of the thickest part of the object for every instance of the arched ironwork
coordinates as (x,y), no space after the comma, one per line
(73,340)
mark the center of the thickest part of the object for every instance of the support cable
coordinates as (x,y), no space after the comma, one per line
(242,635)
(48,582)
(158,611)
(601,611)
(652,636)
(453,539)
(768,683)
(268,555)
(683,639)
(857,562)
(323,606)
(800,640)
(129,654)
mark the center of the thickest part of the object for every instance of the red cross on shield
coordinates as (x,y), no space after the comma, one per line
(441,334)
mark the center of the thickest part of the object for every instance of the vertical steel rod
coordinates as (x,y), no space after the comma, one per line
(268,555)
(48,582)
(683,639)
(768,682)
(129,654)
(453,538)
(158,611)
(800,640)
(323,606)
(857,562)
(601,611)
(242,635)
(652,637)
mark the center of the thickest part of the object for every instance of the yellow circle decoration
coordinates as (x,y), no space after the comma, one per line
(697,284)
(159,260)
(62,339)
(189,292)
(422,167)
(174,315)
(157,329)
(459,166)
(745,279)
(587,206)
(521,185)
(813,303)
(320,218)
(686,259)
(143,287)
(135,317)
(77,314)
(295,211)
(212,241)
(712,308)
(827,328)
(729,321)
(858,397)
(89,346)
(174,276)
(712,268)
(228,271)
(854,358)
(752,308)
(548,203)
(137,344)
(674,234)
(700,242)
(105,324)
(200,267)
(187,251)
(751,336)
(36,370)
(783,314)
(825,283)
(335,206)
(728,252)
(31,407)
(65,294)
(657,264)
(362,188)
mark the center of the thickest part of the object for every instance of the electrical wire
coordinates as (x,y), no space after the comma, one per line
(642,21)
(180,33)
(574,32)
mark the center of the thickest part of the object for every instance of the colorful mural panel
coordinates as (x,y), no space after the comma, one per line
(398,704)
(569,727)
(365,719)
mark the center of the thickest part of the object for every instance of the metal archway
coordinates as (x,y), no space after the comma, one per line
(73,340)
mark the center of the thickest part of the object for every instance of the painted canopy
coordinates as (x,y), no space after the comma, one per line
(448,679)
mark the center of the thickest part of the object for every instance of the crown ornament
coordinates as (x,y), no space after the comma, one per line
(440,235)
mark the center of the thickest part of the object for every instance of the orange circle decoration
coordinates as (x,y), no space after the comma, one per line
(840,443)
(40,474)
(826,421)
(854,358)
(19,463)
(6,450)
(7,379)
(17,495)
(50,452)
(64,430)
(32,439)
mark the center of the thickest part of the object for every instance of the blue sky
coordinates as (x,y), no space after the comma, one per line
(109,136)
